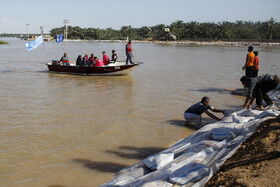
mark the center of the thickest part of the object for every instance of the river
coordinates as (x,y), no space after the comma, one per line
(71,130)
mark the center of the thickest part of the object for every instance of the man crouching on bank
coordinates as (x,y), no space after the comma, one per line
(193,114)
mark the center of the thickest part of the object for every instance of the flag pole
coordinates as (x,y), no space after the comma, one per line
(41,28)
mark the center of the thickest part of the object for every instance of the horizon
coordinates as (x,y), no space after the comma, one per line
(15,14)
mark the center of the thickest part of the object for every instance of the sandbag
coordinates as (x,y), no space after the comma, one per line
(159,160)
(224,133)
(157,183)
(189,173)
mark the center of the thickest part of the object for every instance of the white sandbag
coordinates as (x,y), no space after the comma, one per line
(159,160)
(157,183)
(189,173)
(223,133)
(270,112)
(237,118)
(228,112)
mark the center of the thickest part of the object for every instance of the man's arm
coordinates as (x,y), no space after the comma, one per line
(250,100)
(212,115)
(216,110)
(246,63)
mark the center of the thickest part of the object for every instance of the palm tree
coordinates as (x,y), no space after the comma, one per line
(269,28)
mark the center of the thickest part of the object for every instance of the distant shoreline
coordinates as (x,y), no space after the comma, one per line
(194,42)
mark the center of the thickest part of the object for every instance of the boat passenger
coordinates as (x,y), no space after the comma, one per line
(65,60)
(128,51)
(99,62)
(258,88)
(91,60)
(85,60)
(193,114)
(106,59)
(114,56)
(79,60)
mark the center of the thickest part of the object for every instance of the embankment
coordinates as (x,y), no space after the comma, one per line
(256,162)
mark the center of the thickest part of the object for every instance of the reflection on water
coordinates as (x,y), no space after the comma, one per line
(69,130)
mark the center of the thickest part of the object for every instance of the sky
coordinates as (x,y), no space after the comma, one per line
(15,14)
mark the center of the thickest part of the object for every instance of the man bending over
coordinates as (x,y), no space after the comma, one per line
(193,114)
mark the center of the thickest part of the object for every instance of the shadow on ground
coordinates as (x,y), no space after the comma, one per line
(269,156)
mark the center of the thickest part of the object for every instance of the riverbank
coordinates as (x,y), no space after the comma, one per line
(195,159)
(192,42)
(257,161)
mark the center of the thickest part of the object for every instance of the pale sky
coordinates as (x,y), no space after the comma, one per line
(15,14)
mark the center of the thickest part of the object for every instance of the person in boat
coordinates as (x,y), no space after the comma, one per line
(85,60)
(106,59)
(79,60)
(91,60)
(249,64)
(65,60)
(193,114)
(99,62)
(114,56)
(128,51)
(258,88)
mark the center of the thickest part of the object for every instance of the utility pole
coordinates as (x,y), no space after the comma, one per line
(65,22)
(27,24)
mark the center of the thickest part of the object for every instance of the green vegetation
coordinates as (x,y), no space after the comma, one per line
(9,35)
(2,42)
(239,30)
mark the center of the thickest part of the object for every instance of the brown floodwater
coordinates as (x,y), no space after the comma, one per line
(71,130)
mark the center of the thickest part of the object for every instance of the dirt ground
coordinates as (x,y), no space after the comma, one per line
(257,161)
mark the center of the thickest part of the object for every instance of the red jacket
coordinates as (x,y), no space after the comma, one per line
(106,59)
(99,63)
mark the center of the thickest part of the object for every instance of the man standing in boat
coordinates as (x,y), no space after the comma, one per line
(128,51)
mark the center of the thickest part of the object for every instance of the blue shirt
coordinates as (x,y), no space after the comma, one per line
(197,108)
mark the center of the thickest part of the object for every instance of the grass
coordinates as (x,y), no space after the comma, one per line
(2,42)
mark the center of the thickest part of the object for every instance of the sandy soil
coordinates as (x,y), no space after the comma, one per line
(257,161)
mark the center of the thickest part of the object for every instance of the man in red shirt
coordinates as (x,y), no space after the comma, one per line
(106,59)
(128,51)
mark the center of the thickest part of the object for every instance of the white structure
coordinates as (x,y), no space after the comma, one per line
(65,22)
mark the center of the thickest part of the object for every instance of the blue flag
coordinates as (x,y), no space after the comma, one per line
(34,43)
(59,38)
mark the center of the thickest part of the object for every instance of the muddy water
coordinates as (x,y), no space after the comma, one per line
(71,130)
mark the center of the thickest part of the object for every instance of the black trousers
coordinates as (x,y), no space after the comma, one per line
(255,73)
(262,89)
(249,71)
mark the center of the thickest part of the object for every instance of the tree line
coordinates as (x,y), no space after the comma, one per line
(267,30)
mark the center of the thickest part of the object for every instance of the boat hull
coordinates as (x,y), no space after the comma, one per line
(91,70)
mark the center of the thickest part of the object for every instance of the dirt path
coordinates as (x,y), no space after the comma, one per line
(257,161)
